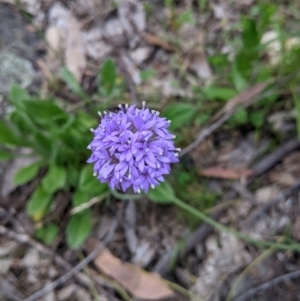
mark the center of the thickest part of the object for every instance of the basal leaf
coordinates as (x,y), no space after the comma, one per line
(70,80)
(55,179)
(162,194)
(26,174)
(89,183)
(7,136)
(79,228)
(179,114)
(108,75)
(47,234)
(39,203)
(17,95)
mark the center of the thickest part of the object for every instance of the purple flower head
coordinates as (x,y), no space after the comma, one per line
(132,147)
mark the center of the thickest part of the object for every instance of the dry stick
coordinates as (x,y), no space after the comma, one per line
(26,239)
(245,98)
(253,291)
(272,159)
(76,269)
(264,209)
(162,267)
(250,267)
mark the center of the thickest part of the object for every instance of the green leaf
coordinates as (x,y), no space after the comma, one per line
(162,194)
(26,174)
(22,122)
(7,136)
(237,78)
(83,122)
(70,80)
(266,12)
(79,228)
(257,119)
(5,155)
(17,95)
(39,203)
(180,114)
(44,112)
(108,75)
(147,74)
(241,116)
(73,174)
(89,183)
(250,35)
(55,179)
(186,17)
(42,144)
(80,197)
(47,234)
(213,92)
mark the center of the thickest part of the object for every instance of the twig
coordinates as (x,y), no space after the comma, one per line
(26,239)
(264,255)
(163,265)
(76,269)
(253,291)
(282,197)
(250,94)
(276,156)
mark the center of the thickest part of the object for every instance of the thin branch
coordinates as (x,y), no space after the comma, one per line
(253,291)
(204,134)
(162,267)
(76,269)
(246,98)
(275,157)
(26,239)
(282,197)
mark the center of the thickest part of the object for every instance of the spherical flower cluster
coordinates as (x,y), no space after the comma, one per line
(132,147)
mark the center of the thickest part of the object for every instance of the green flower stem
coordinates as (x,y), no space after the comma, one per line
(126,196)
(219,226)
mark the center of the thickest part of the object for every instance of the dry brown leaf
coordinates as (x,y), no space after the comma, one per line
(75,59)
(139,283)
(222,173)
(157,41)
(199,64)
(54,38)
